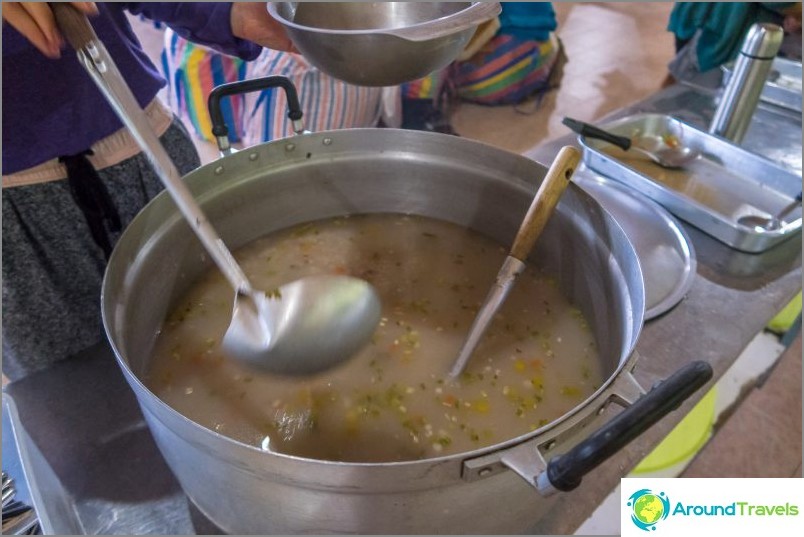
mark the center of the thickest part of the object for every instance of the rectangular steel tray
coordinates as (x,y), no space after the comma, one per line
(712,192)
(783,87)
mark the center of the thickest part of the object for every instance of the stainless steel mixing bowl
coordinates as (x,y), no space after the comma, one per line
(381,43)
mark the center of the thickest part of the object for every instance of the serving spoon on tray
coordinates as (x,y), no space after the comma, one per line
(662,153)
(301,328)
(541,208)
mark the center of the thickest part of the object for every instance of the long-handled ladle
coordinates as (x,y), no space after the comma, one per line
(541,208)
(306,326)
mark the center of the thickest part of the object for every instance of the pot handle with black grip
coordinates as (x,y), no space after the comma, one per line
(219,128)
(564,472)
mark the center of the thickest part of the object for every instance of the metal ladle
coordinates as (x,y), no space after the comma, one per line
(304,327)
(764,223)
(541,208)
(667,156)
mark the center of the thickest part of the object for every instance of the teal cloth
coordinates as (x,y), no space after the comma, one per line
(527,20)
(723,26)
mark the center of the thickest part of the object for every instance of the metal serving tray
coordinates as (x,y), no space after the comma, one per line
(712,192)
(783,87)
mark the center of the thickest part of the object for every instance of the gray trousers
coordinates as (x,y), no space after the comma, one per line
(53,269)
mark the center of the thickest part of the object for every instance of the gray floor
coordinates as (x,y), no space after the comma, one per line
(762,436)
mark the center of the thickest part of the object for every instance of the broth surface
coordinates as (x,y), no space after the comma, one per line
(391,402)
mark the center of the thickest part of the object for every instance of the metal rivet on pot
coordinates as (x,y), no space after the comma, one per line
(549,445)
(327,141)
(219,170)
(290,147)
(484,472)
(253,156)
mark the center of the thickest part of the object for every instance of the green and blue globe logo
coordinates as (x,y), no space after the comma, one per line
(648,508)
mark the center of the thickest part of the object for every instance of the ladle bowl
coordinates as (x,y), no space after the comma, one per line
(305,327)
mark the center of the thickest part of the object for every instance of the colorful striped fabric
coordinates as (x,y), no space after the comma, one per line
(192,71)
(428,87)
(506,70)
(327,103)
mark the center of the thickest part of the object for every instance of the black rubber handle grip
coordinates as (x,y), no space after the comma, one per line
(247,86)
(565,471)
(590,131)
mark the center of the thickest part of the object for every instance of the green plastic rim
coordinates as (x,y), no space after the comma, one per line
(685,440)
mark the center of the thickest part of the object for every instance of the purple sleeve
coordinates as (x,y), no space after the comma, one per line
(205,23)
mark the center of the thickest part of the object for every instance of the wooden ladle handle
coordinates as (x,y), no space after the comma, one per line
(545,201)
(73,24)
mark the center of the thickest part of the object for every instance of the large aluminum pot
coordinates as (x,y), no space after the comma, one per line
(312,176)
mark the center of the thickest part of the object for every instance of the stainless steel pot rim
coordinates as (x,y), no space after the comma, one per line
(272,9)
(328,138)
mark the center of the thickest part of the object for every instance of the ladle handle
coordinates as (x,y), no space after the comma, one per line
(103,71)
(541,208)
(586,129)
(73,25)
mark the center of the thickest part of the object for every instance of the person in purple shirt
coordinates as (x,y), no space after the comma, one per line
(73,177)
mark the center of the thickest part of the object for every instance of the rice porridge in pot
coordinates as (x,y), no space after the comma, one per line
(392,401)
